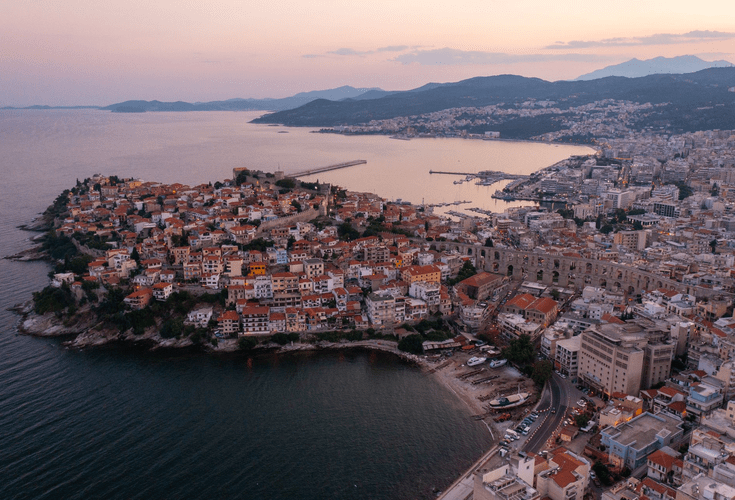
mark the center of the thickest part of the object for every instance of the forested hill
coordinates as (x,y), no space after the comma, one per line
(701,99)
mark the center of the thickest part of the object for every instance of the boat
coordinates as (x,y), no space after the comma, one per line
(497,363)
(509,401)
(475,361)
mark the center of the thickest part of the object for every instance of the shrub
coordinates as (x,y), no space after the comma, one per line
(246,343)
(52,299)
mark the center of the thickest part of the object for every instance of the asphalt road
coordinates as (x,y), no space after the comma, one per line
(556,396)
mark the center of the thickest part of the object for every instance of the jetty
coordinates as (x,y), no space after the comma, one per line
(451,173)
(336,166)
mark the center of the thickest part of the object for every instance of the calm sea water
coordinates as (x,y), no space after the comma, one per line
(116,423)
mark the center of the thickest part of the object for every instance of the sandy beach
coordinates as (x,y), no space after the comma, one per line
(475,391)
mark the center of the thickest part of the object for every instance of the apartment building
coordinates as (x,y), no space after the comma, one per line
(380,309)
(567,356)
(610,359)
(624,357)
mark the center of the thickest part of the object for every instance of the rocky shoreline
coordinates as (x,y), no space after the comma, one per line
(89,332)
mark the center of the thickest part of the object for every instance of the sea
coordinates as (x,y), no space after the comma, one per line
(123,423)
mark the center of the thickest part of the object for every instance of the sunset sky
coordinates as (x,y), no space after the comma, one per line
(99,52)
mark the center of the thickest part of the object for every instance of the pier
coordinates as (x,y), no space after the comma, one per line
(319,170)
(452,173)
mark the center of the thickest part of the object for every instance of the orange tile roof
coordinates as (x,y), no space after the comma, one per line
(663,459)
(544,305)
(521,301)
(229,315)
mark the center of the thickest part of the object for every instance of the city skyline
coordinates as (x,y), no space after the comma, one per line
(96,54)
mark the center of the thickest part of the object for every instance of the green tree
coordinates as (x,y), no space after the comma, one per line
(246,343)
(413,343)
(280,338)
(346,232)
(172,328)
(519,351)
(713,245)
(542,372)
(489,242)
(603,473)
(286,183)
(467,271)
(52,299)
(581,420)
(59,246)
(684,191)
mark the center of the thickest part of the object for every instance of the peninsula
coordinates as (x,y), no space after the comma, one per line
(636,267)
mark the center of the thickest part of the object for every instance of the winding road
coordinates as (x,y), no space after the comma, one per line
(556,396)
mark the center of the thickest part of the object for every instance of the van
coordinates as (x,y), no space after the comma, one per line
(513,433)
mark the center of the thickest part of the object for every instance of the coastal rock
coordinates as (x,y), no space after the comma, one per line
(35,253)
(24,308)
(48,325)
(40,224)
(93,338)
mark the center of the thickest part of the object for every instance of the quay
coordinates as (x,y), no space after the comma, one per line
(337,166)
(484,174)
(499,195)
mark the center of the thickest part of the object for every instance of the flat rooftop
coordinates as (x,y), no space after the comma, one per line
(644,429)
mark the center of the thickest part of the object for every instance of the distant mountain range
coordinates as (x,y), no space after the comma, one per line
(268,104)
(345,92)
(695,101)
(635,68)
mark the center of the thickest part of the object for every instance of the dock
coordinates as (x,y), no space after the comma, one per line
(336,166)
(452,173)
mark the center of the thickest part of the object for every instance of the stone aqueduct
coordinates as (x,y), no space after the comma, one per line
(577,272)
